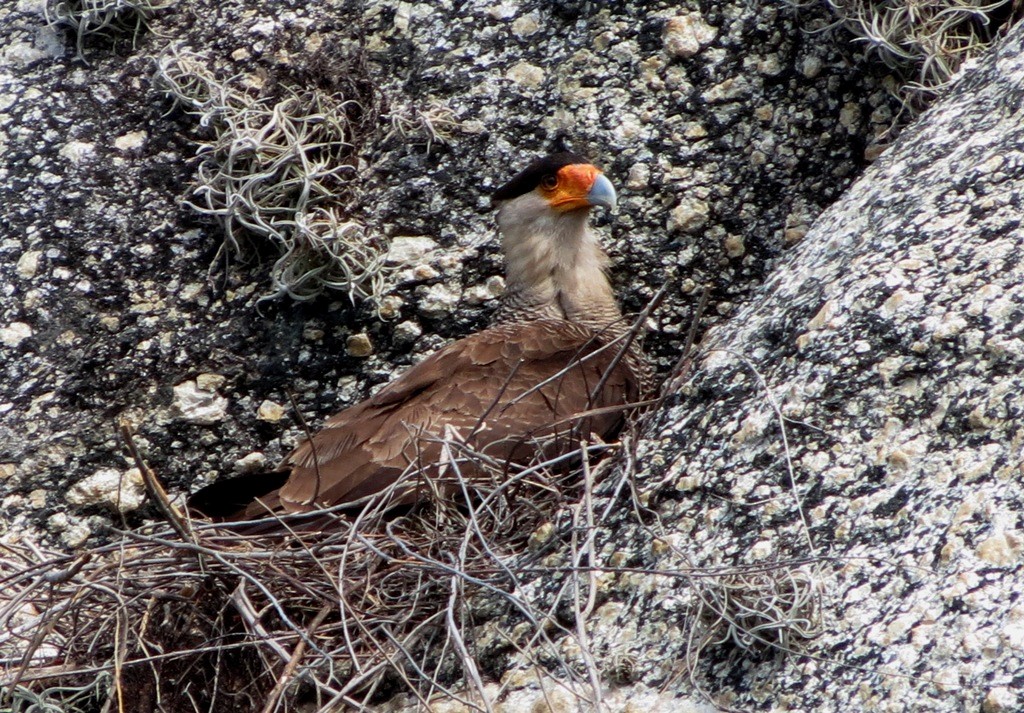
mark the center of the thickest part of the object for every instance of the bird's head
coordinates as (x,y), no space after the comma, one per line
(560,184)
(554,265)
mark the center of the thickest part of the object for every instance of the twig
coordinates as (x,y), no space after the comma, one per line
(154,487)
(245,608)
(312,446)
(297,653)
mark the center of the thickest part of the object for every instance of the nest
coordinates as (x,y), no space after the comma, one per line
(344,610)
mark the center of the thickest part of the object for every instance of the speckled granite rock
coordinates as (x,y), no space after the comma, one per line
(729,129)
(863,415)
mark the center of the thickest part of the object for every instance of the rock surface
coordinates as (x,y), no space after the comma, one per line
(860,420)
(887,334)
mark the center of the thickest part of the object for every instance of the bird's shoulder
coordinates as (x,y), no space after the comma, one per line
(495,348)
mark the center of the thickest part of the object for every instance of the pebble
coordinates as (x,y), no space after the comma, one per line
(436,301)
(131,140)
(639,177)
(689,216)
(359,345)
(390,307)
(526,75)
(199,405)
(493,288)
(1002,548)
(407,332)
(251,463)
(998,700)
(28,264)
(408,249)
(686,35)
(14,334)
(121,490)
(210,382)
(526,25)
(270,411)
(78,151)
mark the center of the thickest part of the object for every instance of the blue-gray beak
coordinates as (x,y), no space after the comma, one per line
(602,193)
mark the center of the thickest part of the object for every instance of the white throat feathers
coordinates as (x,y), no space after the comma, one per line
(555,266)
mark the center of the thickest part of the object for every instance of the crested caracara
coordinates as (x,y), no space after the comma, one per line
(549,372)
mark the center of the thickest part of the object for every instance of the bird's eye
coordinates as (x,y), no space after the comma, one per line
(549,182)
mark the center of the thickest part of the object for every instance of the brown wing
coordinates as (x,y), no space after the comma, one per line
(503,391)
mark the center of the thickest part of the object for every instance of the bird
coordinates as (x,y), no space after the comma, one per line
(557,365)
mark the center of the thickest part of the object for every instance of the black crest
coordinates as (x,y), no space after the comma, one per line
(531,176)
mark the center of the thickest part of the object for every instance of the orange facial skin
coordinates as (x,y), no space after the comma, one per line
(568,189)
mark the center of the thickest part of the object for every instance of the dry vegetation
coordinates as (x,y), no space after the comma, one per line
(103,18)
(345,610)
(926,41)
(279,166)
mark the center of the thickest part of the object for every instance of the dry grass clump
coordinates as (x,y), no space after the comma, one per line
(759,608)
(280,167)
(928,41)
(103,18)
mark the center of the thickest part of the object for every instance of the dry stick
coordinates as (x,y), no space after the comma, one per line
(38,638)
(121,625)
(404,651)
(587,551)
(248,613)
(154,488)
(473,528)
(632,334)
(297,653)
(64,576)
(312,447)
(120,652)
(441,520)
(454,632)
(140,637)
(430,564)
(519,605)
(43,673)
(603,410)
(363,673)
